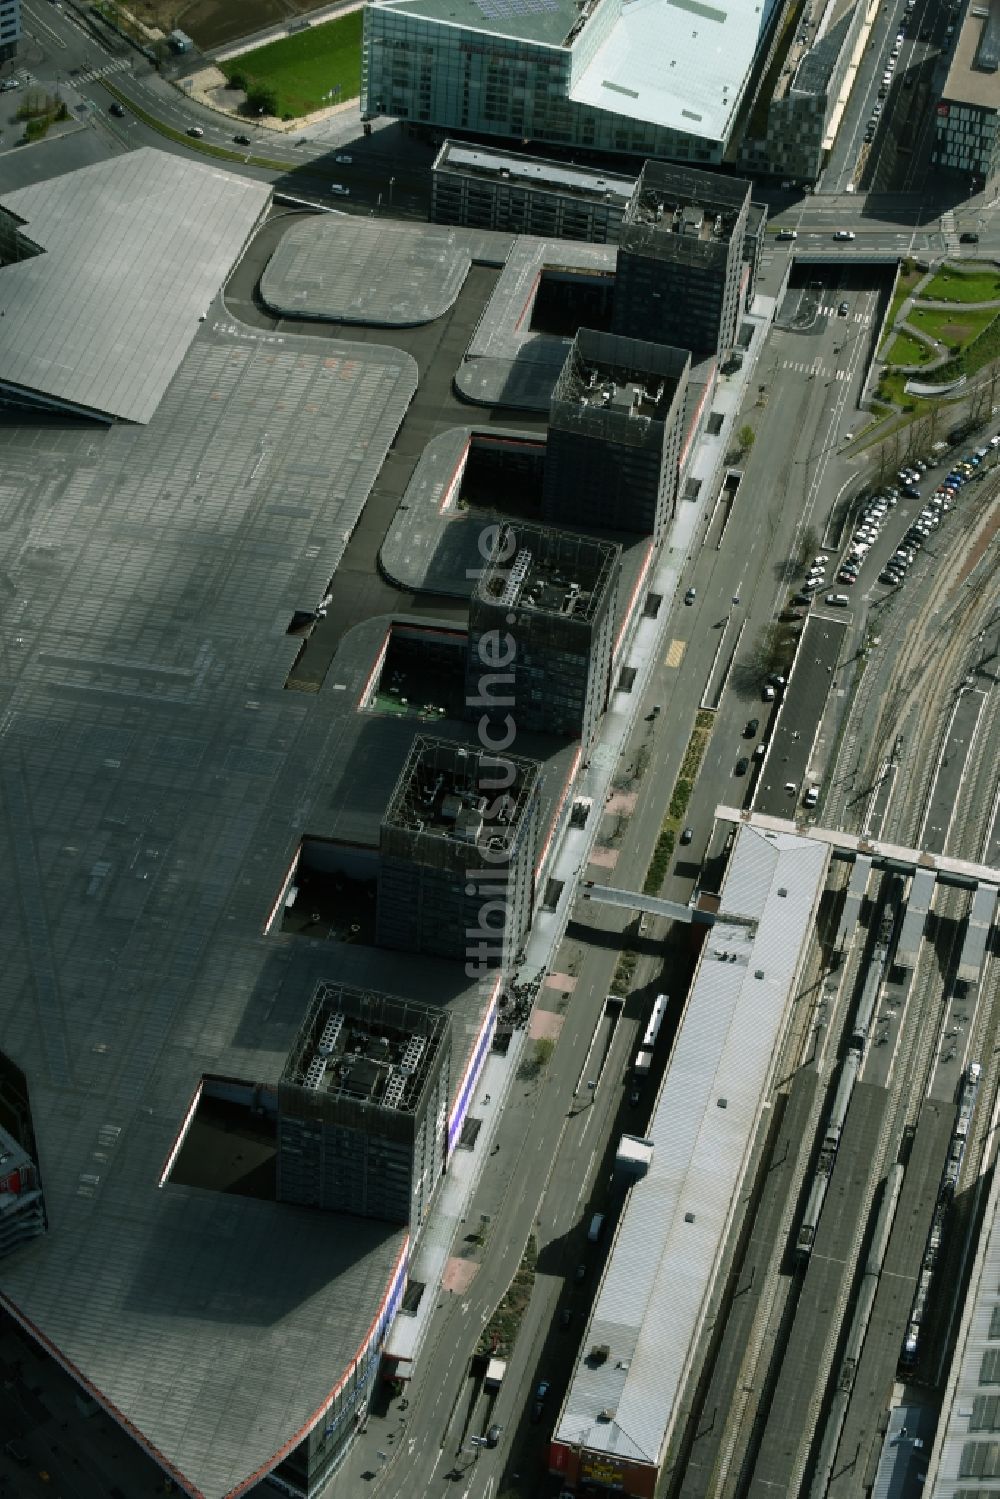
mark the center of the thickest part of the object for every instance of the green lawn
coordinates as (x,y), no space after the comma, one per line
(891,387)
(950,328)
(979,283)
(904,285)
(305,67)
(907,350)
(975,355)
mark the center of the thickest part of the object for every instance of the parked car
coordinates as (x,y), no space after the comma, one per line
(767,694)
(752,726)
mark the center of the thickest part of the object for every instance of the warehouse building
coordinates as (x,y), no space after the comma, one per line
(602,75)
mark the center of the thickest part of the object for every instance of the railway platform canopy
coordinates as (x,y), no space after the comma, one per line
(893,856)
(647,1320)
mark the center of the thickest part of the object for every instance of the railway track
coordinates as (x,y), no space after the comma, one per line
(918,657)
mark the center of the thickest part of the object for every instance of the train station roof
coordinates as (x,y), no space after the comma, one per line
(648,1315)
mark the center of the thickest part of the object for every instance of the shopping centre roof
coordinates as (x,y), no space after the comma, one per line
(117,264)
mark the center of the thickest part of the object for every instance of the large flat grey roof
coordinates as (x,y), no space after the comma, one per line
(156,780)
(358,271)
(133,250)
(655,1288)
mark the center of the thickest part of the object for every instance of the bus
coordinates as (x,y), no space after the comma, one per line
(655,1021)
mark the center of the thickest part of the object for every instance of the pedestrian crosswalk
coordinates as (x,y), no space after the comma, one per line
(949,231)
(90,75)
(853,317)
(814,371)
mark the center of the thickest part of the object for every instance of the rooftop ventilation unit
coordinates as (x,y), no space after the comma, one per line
(315,1073)
(518,573)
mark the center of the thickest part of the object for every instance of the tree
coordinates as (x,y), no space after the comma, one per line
(810,544)
(746,437)
(262,99)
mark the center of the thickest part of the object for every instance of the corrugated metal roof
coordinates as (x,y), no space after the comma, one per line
(962,1456)
(902,1464)
(132,252)
(651,1300)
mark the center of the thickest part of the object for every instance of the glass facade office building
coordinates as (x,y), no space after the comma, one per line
(445,68)
(10,28)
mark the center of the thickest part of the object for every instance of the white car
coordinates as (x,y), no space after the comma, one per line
(844,234)
(340,189)
(343,160)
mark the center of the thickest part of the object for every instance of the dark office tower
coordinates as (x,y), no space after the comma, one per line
(363,1106)
(546,601)
(615,428)
(680,259)
(457,850)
